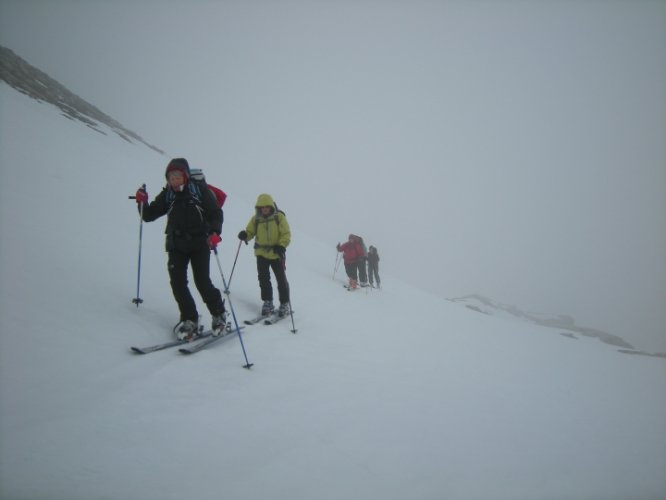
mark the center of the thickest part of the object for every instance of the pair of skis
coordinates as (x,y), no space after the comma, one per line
(267,320)
(272,319)
(205,338)
(197,343)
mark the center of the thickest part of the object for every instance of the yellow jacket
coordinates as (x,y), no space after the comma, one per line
(270,231)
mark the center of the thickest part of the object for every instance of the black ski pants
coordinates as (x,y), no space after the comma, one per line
(362,275)
(373,272)
(356,270)
(200,260)
(264,267)
(351,269)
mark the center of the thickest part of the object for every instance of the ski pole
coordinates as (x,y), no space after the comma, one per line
(231,276)
(291,310)
(337,263)
(248,365)
(137,300)
(291,313)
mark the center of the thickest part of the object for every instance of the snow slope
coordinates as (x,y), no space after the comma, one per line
(394,394)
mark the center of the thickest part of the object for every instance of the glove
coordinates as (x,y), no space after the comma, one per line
(280,250)
(213,240)
(242,235)
(141,196)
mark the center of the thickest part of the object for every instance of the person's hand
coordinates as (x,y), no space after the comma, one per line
(280,250)
(213,240)
(242,235)
(141,196)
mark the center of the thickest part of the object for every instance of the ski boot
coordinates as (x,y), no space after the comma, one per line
(268,308)
(186,330)
(283,310)
(219,324)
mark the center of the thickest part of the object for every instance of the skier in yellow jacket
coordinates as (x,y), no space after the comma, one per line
(272,235)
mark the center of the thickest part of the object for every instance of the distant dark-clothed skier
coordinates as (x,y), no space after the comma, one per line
(194,224)
(270,229)
(373,266)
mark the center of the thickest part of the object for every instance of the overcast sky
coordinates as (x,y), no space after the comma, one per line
(511,148)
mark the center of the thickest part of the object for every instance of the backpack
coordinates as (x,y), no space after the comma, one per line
(198,179)
(277,219)
(220,195)
(359,242)
(196,187)
(195,192)
(365,249)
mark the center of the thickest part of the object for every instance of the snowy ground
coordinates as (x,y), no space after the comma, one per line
(391,394)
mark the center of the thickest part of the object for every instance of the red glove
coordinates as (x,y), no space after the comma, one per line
(213,240)
(141,196)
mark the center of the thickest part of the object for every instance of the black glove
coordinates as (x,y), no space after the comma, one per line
(242,235)
(280,250)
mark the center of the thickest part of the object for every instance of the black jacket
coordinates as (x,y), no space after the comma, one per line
(189,221)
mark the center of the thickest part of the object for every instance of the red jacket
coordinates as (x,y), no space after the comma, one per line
(352,250)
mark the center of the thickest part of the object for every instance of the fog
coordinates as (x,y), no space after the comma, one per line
(533,132)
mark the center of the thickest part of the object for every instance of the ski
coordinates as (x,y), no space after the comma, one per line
(255,320)
(359,287)
(166,345)
(274,318)
(196,347)
(266,320)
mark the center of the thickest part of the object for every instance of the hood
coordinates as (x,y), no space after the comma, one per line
(264,200)
(178,164)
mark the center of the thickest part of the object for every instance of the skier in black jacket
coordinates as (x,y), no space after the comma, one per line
(194,224)
(373,266)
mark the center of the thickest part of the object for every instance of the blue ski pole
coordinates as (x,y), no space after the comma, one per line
(137,300)
(248,365)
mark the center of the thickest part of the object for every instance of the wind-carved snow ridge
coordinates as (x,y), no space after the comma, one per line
(35,83)
(479,303)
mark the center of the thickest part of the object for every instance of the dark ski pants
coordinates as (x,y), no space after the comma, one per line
(352,270)
(200,260)
(373,272)
(264,267)
(362,275)
(356,271)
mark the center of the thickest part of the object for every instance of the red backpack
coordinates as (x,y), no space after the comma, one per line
(197,175)
(219,194)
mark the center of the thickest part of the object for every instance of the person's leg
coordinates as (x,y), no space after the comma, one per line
(211,295)
(281,278)
(264,276)
(362,275)
(177,266)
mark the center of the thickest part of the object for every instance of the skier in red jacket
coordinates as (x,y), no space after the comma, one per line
(354,256)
